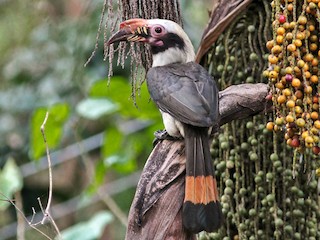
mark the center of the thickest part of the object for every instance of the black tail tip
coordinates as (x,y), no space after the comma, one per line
(202,217)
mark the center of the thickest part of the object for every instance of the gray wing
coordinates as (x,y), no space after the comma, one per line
(185,91)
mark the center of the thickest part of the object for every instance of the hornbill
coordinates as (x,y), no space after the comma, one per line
(187,97)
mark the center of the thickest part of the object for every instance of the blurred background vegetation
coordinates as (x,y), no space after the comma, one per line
(98,139)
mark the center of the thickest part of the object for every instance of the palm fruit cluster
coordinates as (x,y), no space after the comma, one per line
(269,189)
(294,72)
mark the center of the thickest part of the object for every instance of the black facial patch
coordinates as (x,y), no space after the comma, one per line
(169,40)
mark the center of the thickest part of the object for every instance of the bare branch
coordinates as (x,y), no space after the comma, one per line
(20,219)
(46,212)
(24,217)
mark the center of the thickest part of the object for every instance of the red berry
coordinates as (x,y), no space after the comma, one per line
(295,142)
(282,19)
(316,150)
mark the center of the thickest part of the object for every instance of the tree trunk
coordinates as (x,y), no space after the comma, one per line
(156,211)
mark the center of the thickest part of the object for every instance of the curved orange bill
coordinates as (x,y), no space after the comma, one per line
(132,30)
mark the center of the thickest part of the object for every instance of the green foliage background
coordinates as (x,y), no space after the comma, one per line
(43,46)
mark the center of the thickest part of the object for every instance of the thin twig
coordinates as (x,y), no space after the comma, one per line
(46,212)
(25,218)
(20,220)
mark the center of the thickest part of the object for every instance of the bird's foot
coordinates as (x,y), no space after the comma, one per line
(162,135)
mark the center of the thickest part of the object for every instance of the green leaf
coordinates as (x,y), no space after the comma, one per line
(119,91)
(95,108)
(11,181)
(112,141)
(122,163)
(89,230)
(58,114)
(102,89)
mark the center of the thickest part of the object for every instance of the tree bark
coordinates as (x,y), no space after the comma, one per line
(222,14)
(156,211)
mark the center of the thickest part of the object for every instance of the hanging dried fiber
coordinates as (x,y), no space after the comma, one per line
(114,12)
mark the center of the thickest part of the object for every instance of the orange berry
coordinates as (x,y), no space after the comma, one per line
(298,94)
(296,82)
(270,44)
(281,99)
(286,92)
(270,126)
(307,74)
(279,39)
(313,38)
(314,62)
(311,28)
(276,49)
(313,47)
(308,57)
(302,20)
(291,47)
(297,42)
(289,118)
(292,25)
(308,89)
(300,35)
(272,59)
(289,36)
(279,85)
(314,115)
(281,30)
(273,74)
(314,79)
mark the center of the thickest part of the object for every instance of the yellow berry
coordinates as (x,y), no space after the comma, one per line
(302,20)
(289,118)
(317,124)
(286,92)
(290,104)
(291,47)
(281,99)
(300,122)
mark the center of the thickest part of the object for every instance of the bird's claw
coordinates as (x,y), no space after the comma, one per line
(162,135)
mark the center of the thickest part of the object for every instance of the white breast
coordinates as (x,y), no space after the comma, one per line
(174,127)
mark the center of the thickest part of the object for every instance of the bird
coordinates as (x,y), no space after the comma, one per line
(187,97)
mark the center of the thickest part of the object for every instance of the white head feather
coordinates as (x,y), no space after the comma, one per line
(173,54)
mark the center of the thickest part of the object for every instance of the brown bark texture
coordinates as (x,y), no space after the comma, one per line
(222,14)
(156,210)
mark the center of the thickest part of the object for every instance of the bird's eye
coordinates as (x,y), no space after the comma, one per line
(158,29)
